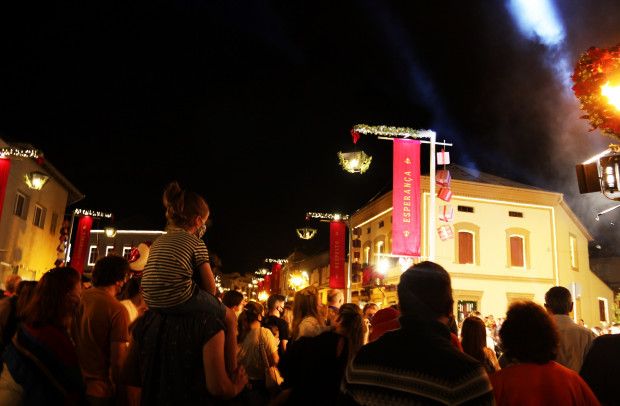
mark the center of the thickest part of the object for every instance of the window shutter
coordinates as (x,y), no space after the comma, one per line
(516,251)
(466,248)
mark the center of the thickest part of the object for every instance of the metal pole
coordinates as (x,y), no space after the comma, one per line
(431,206)
(349,264)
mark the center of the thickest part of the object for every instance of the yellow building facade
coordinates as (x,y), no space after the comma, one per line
(31,219)
(510,242)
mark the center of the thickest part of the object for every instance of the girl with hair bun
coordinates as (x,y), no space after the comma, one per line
(178,259)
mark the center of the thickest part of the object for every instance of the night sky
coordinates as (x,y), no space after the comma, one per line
(247,103)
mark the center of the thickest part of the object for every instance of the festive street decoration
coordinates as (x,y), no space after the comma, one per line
(443,157)
(92,213)
(355,161)
(306,233)
(13,152)
(406,232)
(337,231)
(326,216)
(443,178)
(275,260)
(444,194)
(446,213)
(445,232)
(36,180)
(388,131)
(597,86)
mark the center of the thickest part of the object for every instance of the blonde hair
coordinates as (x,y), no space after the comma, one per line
(306,303)
(183,206)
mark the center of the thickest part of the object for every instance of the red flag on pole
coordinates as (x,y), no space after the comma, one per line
(80,244)
(337,230)
(267,284)
(5,168)
(406,198)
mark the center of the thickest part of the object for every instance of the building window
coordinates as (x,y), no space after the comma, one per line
(366,255)
(126,251)
(517,251)
(368,230)
(467,243)
(109,249)
(466,247)
(515,214)
(379,247)
(20,205)
(518,248)
(574,259)
(92,255)
(602,309)
(54,223)
(39,216)
(466,209)
(381,224)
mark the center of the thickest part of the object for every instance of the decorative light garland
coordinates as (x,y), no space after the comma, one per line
(11,152)
(389,131)
(327,216)
(92,213)
(276,261)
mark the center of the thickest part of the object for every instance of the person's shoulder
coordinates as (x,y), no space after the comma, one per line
(607,339)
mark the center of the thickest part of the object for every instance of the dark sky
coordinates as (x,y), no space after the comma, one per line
(248,103)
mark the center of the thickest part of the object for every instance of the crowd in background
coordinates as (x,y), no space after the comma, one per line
(153,330)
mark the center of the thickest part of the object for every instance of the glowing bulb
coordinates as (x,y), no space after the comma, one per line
(383,266)
(263,296)
(354,163)
(336,217)
(612,93)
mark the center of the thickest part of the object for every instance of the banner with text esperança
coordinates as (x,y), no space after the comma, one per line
(406,198)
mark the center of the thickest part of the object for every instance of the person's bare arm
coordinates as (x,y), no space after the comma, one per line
(118,355)
(207,280)
(218,382)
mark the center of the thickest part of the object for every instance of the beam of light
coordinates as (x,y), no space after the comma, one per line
(538,21)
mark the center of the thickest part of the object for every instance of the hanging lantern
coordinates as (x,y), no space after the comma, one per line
(354,162)
(36,180)
(306,233)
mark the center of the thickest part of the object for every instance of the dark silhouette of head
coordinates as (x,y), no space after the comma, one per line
(425,292)
(558,300)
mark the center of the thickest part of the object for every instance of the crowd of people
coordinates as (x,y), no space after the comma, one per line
(153,330)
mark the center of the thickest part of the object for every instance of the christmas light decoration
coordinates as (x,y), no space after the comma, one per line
(327,216)
(11,152)
(91,213)
(388,131)
(278,261)
(306,233)
(354,162)
(36,180)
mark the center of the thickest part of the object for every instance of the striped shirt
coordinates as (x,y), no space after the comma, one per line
(167,277)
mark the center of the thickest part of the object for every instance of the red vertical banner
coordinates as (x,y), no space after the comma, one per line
(406,198)
(337,230)
(80,244)
(275,277)
(5,168)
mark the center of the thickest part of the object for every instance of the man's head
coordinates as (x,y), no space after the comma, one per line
(335,298)
(425,292)
(369,310)
(233,299)
(110,271)
(11,282)
(558,300)
(276,302)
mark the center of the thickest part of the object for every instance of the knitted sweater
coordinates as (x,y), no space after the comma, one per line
(415,365)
